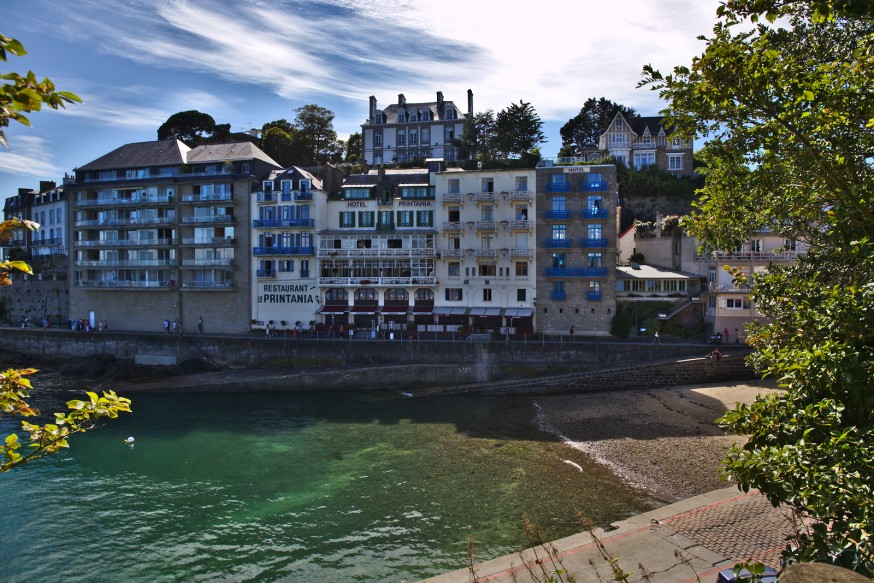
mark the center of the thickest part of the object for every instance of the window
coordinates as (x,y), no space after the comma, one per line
(675,162)
(488,184)
(488,241)
(416,192)
(643,159)
(453,294)
(522,212)
(424,295)
(619,125)
(377,138)
(347,219)
(385,219)
(366,218)
(454,269)
(487,270)
(521,295)
(646,140)
(521,183)
(336,295)
(356,193)
(521,269)
(559,232)
(756,246)
(594,231)
(402,138)
(595,260)
(559,204)
(558,291)
(378,117)
(286,266)
(737,303)
(487,295)
(488,213)
(675,142)
(396,294)
(425,218)
(366,293)
(559,260)
(426,134)
(454,186)
(414,138)
(405,218)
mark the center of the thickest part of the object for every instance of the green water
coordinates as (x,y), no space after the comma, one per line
(296,487)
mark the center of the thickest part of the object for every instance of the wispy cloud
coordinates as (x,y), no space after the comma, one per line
(30,156)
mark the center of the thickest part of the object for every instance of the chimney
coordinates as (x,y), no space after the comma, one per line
(469,103)
(440,111)
(372,109)
(45,185)
(402,101)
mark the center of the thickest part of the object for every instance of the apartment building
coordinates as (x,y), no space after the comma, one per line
(376,254)
(638,142)
(161,232)
(46,206)
(576,225)
(288,211)
(486,268)
(409,131)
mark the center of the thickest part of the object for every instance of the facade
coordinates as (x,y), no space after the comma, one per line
(376,254)
(576,226)
(287,211)
(408,131)
(161,232)
(638,142)
(486,268)
(48,207)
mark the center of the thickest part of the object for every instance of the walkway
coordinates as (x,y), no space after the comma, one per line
(680,543)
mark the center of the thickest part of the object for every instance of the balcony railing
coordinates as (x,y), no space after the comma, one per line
(520,195)
(557,243)
(125,243)
(356,281)
(263,197)
(594,186)
(452,226)
(559,295)
(284,251)
(46,242)
(214,262)
(209,219)
(576,272)
(485,225)
(126,221)
(759,256)
(215,197)
(208,284)
(265,273)
(520,225)
(452,252)
(115,201)
(558,215)
(452,197)
(594,243)
(279,223)
(114,263)
(295,195)
(121,284)
(595,213)
(520,252)
(593,296)
(486,253)
(377,252)
(485,197)
(223,241)
(557,187)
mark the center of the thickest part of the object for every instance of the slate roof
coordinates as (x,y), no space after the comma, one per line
(639,124)
(232,151)
(391,112)
(139,155)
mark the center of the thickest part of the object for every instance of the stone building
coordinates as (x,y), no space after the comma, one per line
(409,131)
(576,226)
(161,232)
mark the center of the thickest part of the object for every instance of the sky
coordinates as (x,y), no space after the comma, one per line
(135,63)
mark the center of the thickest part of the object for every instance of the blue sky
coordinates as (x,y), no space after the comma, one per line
(136,62)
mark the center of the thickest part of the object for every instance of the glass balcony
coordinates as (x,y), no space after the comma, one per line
(594,243)
(594,186)
(265,273)
(208,219)
(284,251)
(208,284)
(263,197)
(564,215)
(557,243)
(278,223)
(557,187)
(576,272)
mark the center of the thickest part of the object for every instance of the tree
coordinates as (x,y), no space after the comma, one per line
(194,128)
(316,126)
(21,94)
(477,141)
(787,106)
(48,438)
(518,129)
(353,148)
(586,127)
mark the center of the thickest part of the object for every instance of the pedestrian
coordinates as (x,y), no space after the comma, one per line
(166,326)
(507,335)
(175,326)
(656,338)
(100,326)
(200,325)
(725,335)
(571,332)
(736,338)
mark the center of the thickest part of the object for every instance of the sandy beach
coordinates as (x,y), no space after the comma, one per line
(663,440)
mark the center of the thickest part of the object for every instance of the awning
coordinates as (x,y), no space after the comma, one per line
(446,311)
(423,309)
(393,310)
(518,312)
(485,311)
(363,309)
(332,309)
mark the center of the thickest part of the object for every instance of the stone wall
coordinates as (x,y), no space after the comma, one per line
(36,298)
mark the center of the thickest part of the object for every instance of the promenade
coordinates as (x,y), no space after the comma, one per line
(684,542)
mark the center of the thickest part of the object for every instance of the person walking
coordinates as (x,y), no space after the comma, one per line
(656,338)
(725,335)
(571,331)
(200,325)
(166,326)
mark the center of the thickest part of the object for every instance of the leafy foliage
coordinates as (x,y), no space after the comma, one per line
(44,439)
(586,127)
(316,127)
(194,128)
(21,94)
(477,141)
(518,129)
(788,107)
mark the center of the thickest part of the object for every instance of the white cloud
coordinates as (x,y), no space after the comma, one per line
(30,156)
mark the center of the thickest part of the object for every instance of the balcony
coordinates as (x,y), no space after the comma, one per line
(223,241)
(208,284)
(214,197)
(559,295)
(284,251)
(125,221)
(520,253)
(213,262)
(280,223)
(594,186)
(124,243)
(296,195)
(485,197)
(378,252)
(576,272)
(121,284)
(452,252)
(557,243)
(208,219)
(132,201)
(452,197)
(520,225)
(359,281)
(557,187)
(594,243)
(452,226)
(595,213)
(114,263)
(564,215)
(593,296)
(485,226)
(265,197)
(520,195)
(486,253)
(265,273)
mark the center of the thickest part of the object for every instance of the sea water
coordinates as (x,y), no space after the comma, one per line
(297,487)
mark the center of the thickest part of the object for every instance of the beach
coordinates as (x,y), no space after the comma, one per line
(665,441)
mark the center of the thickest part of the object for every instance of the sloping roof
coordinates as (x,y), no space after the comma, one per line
(418,176)
(141,154)
(652,272)
(231,151)
(391,112)
(295,173)
(639,124)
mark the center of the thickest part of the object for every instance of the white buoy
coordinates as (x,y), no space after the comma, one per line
(129,440)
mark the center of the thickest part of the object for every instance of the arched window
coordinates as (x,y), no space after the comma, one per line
(424,295)
(366,294)
(336,295)
(396,294)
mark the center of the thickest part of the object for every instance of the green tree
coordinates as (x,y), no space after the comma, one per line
(586,127)
(193,128)
(477,141)
(353,148)
(786,103)
(48,438)
(316,127)
(518,129)
(21,94)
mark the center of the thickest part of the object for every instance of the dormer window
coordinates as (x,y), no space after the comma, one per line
(619,125)
(378,118)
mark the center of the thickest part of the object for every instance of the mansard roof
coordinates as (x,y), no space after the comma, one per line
(230,151)
(391,112)
(639,125)
(140,154)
